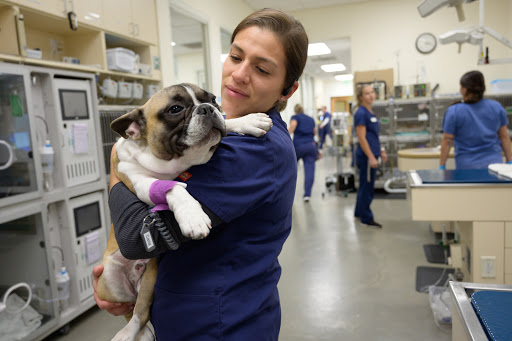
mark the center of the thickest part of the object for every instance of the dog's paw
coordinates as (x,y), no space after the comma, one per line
(194,223)
(146,335)
(257,124)
(126,334)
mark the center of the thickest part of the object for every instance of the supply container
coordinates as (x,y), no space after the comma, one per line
(121,59)
(47,154)
(62,279)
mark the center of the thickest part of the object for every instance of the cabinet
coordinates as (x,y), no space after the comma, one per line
(66,224)
(134,19)
(102,25)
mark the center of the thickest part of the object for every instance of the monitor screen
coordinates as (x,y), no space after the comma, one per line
(87,218)
(73,104)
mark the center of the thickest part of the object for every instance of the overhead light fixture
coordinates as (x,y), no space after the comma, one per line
(173,43)
(333,67)
(344,78)
(223,57)
(318,49)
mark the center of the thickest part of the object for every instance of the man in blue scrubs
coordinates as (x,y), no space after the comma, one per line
(325,126)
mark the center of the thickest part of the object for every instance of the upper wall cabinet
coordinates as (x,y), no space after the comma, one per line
(55,7)
(134,19)
(89,12)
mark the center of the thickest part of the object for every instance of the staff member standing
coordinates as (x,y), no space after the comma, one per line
(368,150)
(303,129)
(477,125)
(325,126)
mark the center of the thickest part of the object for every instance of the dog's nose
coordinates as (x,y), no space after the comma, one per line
(205,109)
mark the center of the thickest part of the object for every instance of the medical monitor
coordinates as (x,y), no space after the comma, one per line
(73,104)
(87,218)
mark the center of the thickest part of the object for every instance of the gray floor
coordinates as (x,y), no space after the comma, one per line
(341,280)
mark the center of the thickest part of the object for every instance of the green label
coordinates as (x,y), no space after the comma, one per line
(384,120)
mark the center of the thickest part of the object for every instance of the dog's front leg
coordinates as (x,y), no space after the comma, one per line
(193,222)
(257,124)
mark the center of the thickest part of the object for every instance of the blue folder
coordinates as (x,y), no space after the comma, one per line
(494,309)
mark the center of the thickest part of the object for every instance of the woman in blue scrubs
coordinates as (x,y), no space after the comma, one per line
(303,129)
(367,152)
(224,287)
(476,126)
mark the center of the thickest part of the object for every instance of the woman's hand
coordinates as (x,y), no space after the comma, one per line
(373,162)
(383,156)
(116,309)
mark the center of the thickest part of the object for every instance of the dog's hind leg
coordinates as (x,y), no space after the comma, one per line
(138,321)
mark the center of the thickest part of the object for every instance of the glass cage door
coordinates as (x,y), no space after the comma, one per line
(17,166)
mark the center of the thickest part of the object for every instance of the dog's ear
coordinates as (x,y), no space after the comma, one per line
(130,125)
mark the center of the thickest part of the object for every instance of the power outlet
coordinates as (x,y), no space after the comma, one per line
(488,266)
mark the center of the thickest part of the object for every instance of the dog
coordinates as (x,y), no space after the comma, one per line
(180,126)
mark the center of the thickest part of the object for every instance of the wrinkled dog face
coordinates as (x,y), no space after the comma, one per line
(175,119)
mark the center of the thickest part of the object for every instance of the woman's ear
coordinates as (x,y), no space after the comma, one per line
(294,88)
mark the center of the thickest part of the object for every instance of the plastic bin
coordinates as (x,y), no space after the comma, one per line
(121,59)
(440,303)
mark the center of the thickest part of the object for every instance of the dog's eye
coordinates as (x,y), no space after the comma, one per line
(176,109)
(214,101)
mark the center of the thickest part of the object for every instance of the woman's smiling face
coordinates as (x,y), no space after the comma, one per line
(253,74)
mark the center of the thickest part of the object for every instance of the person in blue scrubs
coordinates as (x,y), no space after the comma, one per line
(303,129)
(325,126)
(477,127)
(224,287)
(368,151)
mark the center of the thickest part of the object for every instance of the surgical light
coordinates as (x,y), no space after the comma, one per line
(333,67)
(318,49)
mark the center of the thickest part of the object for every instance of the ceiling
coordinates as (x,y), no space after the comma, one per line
(187,34)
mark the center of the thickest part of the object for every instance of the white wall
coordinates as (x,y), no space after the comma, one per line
(377,29)
(188,66)
(216,14)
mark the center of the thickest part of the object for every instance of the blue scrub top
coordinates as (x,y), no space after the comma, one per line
(475,128)
(225,286)
(324,116)
(304,133)
(364,117)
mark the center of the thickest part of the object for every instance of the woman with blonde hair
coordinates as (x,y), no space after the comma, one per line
(367,153)
(303,129)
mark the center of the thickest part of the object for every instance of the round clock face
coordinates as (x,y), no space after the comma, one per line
(426,43)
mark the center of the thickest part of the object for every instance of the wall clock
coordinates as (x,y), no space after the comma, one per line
(426,43)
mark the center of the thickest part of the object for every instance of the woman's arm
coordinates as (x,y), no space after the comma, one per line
(505,142)
(363,143)
(293,126)
(446,145)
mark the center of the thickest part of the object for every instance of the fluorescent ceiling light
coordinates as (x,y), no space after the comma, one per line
(173,43)
(344,78)
(333,67)
(223,57)
(317,49)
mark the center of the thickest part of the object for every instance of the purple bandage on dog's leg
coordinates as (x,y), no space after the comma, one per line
(158,192)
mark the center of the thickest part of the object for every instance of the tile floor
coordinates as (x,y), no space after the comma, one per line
(341,280)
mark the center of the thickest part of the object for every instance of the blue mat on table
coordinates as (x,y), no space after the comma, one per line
(460,176)
(494,309)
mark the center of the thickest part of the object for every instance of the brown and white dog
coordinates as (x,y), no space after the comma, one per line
(180,126)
